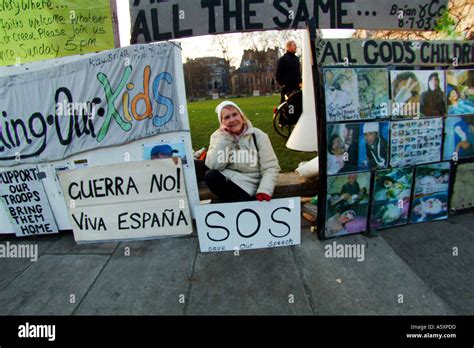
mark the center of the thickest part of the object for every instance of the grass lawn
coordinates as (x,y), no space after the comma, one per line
(259,110)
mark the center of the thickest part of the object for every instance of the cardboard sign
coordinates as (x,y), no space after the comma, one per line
(249,225)
(36,30)
(108,99)
(172,19)
(392,52)
(24,199)
(136,200)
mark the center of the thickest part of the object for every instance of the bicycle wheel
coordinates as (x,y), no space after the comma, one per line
(280,123)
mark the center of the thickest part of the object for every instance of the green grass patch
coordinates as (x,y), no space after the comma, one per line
(259,110)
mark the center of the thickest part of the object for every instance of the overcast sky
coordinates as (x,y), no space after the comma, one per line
(202,46)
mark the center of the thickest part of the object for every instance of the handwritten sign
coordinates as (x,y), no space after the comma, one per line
(23,196)
(107,99)
(136,200)
(46,29)
(165,20)
(249,225)
(388,52)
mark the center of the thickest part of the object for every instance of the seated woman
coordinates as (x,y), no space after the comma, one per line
(242,163)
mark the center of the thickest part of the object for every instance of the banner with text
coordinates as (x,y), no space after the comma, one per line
(108,99)
(46,29)
(249,225)
(387,52)
(135,200)
(165,20)
(23,197)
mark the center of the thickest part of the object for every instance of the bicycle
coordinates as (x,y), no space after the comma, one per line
(286,115)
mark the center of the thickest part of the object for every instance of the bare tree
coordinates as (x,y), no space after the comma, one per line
(229,60)
(196,75)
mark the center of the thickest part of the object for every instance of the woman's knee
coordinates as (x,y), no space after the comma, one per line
(212,177)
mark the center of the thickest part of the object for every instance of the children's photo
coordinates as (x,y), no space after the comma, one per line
(357,147)
(164,150)
(347,204)
(373,145)
(415,142)
(343,148)
(460,92)
(430,200)
(342,97)
(356,93)
(459,137)
(417,93)
(373,93)
(392,193)
(463,190)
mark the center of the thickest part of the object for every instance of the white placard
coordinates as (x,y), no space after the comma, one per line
(23,196)
(103,100)
(135,200)
(249,225)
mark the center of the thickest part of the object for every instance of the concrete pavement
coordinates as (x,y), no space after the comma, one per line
(423,269)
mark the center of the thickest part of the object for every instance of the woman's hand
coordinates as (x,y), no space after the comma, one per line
(224,129)
(263,197)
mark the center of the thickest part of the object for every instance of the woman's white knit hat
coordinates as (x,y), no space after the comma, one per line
(223,105)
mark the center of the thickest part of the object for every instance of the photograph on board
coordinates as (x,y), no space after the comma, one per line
(415,142)
(342,98)
(353,94)
(347,204)
(417,93)
(430,201)
(165,150)
(357,147)
(460,92)
(463,190)
(459,137)
(391,197)
(373,93)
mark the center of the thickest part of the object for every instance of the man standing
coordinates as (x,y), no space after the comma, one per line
(288,72)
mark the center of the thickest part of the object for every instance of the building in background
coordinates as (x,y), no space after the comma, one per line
(256,72)
(206,76)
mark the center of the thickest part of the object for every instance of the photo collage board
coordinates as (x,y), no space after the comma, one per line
(392,135)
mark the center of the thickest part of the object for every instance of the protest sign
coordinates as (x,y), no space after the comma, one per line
(389,52)
(24,200)
(104,100)
(249,225)
(36,30)
(135,200)
(165,20)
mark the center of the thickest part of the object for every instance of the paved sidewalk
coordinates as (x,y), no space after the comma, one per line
(171,276)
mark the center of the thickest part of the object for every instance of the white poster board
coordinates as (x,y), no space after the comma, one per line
(129,201)
(24,200)
(249,225)
(105,100)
